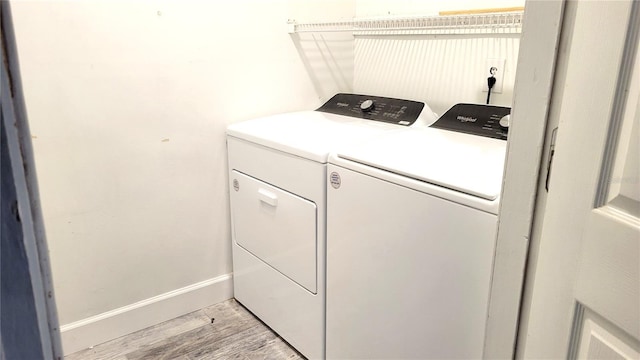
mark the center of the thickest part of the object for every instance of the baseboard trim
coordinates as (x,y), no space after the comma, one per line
(127,319)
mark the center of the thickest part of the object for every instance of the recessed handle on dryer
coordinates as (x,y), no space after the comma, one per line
(268,197)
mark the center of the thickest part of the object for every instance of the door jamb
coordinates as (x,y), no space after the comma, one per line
(524,167)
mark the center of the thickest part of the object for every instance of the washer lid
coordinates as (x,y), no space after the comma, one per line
(467,163)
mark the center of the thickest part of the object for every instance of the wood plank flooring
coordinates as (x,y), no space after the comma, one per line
(234,334)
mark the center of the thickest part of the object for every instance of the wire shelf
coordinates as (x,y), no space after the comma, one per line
(493,23)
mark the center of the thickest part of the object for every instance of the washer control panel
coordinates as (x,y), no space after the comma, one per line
(396,111)
(483,120)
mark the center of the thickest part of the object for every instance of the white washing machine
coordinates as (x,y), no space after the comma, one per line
(411,226)
(277,176)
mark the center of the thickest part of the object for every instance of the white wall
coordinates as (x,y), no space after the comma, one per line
(441,70)
(128,103)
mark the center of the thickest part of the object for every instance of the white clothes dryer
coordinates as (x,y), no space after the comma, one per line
(411,226)
(277,176)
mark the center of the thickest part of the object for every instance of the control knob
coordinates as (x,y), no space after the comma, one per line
(505,121)
(367,105)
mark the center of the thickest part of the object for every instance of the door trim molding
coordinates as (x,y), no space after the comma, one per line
(27,199)
(532,92)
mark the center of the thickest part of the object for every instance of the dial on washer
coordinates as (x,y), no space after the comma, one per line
(367,105)
(505,121)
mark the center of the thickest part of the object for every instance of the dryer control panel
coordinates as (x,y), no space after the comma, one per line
(476,119)
(396,111)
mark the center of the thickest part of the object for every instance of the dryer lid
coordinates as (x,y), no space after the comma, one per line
(341,120)
(466,163)
(309,134)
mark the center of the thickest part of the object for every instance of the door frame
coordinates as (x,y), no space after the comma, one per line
(527,155)
(43,329)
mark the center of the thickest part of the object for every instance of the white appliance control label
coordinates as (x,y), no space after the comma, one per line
(236,185)
(334,178)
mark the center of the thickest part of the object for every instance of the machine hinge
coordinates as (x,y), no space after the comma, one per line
(552,150)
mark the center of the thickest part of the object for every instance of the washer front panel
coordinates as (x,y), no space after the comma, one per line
(408,273)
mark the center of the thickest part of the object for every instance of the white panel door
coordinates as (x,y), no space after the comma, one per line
(585,301)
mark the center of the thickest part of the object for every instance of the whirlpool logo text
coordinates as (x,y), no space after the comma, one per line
(466,118)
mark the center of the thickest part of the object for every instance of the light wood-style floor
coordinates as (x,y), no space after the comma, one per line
(234,334)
